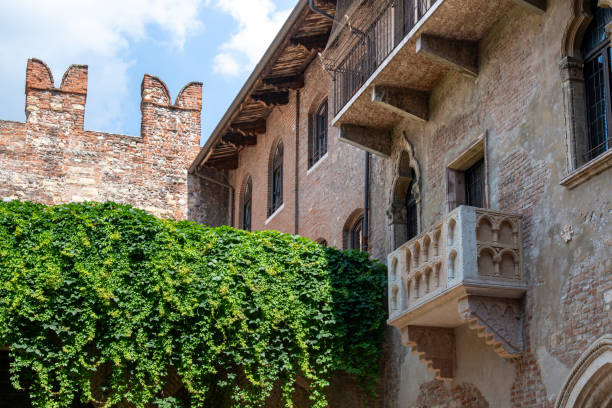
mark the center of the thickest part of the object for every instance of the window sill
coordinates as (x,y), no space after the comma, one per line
(588,170)
(279,209)
(314,166)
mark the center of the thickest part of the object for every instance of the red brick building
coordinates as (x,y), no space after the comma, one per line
(487,190)
(485,187)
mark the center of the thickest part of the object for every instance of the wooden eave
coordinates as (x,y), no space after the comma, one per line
(281,69)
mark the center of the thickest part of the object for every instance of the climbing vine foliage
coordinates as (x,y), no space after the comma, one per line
(105,303)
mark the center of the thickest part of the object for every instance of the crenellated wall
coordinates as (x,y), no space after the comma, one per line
(51,159)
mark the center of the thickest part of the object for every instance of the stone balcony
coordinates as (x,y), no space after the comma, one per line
(466,269)
(407,50)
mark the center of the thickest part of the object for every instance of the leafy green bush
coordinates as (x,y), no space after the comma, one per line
(100,301)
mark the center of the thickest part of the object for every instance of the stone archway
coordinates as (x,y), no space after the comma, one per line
(590,382)
(407,175)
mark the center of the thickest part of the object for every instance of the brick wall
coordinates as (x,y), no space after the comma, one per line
(51,159)
(333,188)
(517,100)
(328,193)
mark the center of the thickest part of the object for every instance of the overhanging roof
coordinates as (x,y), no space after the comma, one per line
(281,68)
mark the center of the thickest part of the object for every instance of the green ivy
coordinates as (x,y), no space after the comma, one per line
(99,301)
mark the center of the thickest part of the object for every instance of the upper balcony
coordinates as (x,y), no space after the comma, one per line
(399,58)
(467,268)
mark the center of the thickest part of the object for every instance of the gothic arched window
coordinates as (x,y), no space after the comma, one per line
(597,68)
(246,205)
(276,173)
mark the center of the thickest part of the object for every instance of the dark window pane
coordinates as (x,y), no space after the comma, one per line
(318,137)
(411,213)
(474,185)
(276,200)
(357,235)
(596,104)
(595,36)
(246,206)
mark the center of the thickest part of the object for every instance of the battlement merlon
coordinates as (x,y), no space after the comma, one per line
(183,118)
(51,106)
(64,107)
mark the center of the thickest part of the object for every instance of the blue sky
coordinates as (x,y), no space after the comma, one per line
(217,42)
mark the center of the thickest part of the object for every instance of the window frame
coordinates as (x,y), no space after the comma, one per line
(412,211)
(276,179)
(474,177)
(247,202)
(318,132)
(456,189)
(356,234)
(590,38)
(602,49)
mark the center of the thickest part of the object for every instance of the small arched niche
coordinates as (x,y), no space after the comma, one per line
(484,233)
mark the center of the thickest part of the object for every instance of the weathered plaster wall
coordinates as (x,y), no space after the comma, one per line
(517,100)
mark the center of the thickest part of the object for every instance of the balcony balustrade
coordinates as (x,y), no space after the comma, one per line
(376,43)
(401,55)
(467,268)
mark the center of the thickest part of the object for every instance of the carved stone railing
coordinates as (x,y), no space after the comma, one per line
(467,268)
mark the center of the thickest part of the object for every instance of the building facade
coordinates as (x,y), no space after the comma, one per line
(487,188)
(465,143)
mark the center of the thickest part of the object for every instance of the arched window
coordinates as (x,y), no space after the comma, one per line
(321,241)
(357,235)
(276,173)
(246,205)
(317,134)
(412,228)
(597,69)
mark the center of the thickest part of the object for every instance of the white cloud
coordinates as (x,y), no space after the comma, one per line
(62,32)
(258,23)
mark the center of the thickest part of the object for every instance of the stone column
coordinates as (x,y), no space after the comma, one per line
(572,78)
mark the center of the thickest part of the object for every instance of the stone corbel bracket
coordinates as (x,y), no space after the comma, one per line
(435,346)
(498,320)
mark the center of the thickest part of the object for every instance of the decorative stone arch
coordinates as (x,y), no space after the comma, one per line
(245,181)
(406,168)
(590,380)
(572,77)
(349,224)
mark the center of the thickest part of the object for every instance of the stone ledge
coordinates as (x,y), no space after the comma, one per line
(588,170)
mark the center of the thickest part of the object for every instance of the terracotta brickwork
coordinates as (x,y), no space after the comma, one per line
(328,192)
(51,159)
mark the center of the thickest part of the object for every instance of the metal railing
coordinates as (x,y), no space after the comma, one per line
(374,45)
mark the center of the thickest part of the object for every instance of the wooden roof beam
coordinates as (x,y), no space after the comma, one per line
(256,127)
(225,163)
(238,139)
(286,82)
(312,42)
(271,98)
